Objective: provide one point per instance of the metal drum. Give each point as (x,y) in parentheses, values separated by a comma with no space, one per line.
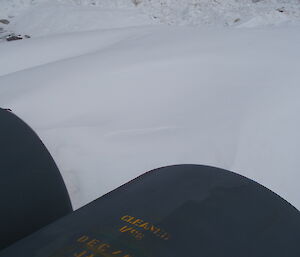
(176,211)
(32,191)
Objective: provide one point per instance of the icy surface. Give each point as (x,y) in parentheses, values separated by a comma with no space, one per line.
(113,95)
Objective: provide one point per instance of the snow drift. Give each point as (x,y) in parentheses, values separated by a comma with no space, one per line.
(60,16)
(130,100)
(113,95)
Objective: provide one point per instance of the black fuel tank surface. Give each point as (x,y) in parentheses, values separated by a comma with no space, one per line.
(32,191)
(175,211)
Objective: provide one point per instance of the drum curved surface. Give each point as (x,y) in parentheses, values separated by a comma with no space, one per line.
(175,211)
(32,190)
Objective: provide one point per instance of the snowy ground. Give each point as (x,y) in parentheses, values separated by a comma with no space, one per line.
(44,17)
(112,93)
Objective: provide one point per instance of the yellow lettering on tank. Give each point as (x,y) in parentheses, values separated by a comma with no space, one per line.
(83,254)
(145,226)
(130,219)
(83,239)
(164,236)
(125,229)
(116,252)
(103,247)
(126,217)
(139,236)
(137,222)
(154,229)
(159,232)
(93,242)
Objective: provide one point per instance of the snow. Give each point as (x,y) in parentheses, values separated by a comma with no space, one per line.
(44,17)
(113,93)
(223,13)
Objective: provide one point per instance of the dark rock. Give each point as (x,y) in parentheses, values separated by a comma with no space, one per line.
(281,9)
(13,37)
(4,21)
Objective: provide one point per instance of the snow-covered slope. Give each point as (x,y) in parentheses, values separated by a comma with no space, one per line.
(237,13)
(44,17)
(114,103)
(113,95)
